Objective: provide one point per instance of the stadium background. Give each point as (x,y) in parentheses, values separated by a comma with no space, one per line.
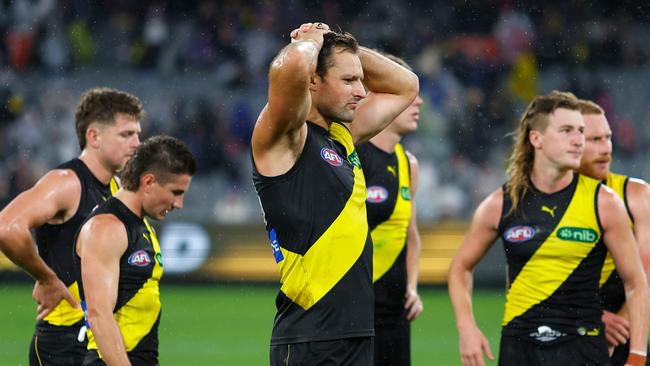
(200,68)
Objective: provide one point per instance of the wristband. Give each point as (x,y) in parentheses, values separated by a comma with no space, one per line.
(635,359)
(639,352)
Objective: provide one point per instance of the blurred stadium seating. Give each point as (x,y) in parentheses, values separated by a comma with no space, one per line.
(200,67)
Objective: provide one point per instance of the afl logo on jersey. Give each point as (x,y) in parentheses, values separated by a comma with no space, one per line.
(331,157)
(139,259)
(376,194)
(519,234)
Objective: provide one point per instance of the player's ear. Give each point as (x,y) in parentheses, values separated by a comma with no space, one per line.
(93,136)
(535,138)
(147,181)
(314,82)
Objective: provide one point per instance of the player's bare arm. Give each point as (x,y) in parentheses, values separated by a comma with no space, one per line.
(413,302)
(101,243)
(391,89)
(480,237)
(638,193)
(52,200)
(621,244)
(280,132)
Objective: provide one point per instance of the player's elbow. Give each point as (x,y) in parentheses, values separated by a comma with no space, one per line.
(7,230)
(413,85)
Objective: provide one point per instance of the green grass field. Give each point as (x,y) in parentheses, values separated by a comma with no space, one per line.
(231,325)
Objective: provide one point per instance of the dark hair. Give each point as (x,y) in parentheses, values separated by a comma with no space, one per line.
(160,155)
(333,41)
(99,105)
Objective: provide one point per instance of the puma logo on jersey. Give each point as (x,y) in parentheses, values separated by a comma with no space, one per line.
(391,169)
(146,237)
(550,211)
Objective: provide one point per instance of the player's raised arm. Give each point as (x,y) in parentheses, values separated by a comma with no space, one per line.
(101,243)
(49,201)
(391,89)
(480,237)
(621,244)
(280,131)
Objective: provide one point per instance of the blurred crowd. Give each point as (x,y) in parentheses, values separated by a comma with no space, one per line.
(204,63)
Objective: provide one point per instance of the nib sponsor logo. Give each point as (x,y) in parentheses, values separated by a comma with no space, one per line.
(579,234)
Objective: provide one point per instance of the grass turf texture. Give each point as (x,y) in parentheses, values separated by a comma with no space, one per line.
(231,325)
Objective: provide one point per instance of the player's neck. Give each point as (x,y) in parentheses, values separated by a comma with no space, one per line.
(550,179)
(92,161)
(386,140)
(318,119)
(132,200)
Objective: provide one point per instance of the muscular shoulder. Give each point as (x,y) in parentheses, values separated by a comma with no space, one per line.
(490,209)
(638,198)
(105,233)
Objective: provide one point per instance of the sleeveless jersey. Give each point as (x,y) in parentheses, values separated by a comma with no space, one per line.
(555,254)
(388,203)
(317,225)
(612,292)
(55,241)
(137,309)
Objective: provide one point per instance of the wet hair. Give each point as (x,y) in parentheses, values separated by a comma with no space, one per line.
(334,42)
(99,105)
(163,156)
(521,160)
(589,107)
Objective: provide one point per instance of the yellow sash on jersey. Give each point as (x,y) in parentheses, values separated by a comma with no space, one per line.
(557,258)
(617,183)
(307,278)
(389,237)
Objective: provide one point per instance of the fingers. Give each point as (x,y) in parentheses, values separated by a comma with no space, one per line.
(617,328)
(485,345)
(298,33)
(42,312)
(68,296)
(415,310)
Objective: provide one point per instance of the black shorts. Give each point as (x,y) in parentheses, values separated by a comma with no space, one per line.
(338,352)
(136,358)
(620,355)
(393,344)
(578,351)
(56,345)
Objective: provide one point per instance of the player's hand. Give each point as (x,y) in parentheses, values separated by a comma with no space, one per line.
(617,328)
(472,345)
(310,31)
(48,294)
(413,304)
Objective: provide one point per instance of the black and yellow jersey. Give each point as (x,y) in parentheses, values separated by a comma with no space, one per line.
(55,241)
(318,230)
(555,254)
(388,203)
(612,292)
(137,309)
